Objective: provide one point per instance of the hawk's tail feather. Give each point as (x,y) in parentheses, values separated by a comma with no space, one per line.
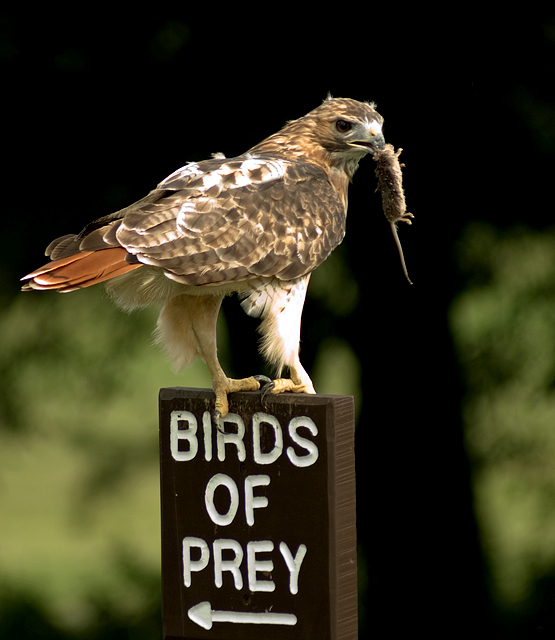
(79,270)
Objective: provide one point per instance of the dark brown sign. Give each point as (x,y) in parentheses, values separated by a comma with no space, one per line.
(258,517)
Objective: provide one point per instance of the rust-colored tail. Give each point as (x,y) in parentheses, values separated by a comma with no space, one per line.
(79,270)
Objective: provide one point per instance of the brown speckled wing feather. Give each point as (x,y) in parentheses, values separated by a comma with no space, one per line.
(229,220)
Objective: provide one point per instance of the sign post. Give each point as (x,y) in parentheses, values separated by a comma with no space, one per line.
(258,517)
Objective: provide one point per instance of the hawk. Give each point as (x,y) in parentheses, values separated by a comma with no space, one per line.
(257,225)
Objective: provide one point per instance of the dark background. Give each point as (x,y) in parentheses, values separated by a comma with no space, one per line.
(99,107)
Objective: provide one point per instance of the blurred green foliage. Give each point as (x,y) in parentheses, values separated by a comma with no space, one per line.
(79,457)
(503,325)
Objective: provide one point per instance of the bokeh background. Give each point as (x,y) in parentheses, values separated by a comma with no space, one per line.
(454,377)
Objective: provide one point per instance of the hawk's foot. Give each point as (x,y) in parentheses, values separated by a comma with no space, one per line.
(224,386)
(298,383)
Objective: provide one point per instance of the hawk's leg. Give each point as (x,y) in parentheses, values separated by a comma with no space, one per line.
(187,330)
(281,332)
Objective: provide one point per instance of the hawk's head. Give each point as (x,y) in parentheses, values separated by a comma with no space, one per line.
(348,127)
(339,133)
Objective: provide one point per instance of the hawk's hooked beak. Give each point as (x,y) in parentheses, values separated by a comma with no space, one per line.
(372,144)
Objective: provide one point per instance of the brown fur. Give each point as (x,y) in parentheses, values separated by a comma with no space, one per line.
(390,184)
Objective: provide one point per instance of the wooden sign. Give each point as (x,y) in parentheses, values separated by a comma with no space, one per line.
(258,517)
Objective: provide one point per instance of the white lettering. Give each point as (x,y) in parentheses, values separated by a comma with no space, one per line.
(228,555)
(232,566)
(254,565)
(293,564)
(253,502)
(184,439)
(207,428)
(312,450)
(177,435)
(190,565)
(224,437)
(220,479)
(270,456)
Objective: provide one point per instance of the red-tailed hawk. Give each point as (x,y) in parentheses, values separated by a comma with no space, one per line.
(257,224)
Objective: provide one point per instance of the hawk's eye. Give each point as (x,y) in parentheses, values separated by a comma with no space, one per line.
(343,126)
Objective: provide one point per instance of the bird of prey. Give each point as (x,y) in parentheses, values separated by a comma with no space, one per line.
(257,224)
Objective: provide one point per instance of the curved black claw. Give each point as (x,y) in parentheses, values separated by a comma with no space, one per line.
(217,419)
(266,385)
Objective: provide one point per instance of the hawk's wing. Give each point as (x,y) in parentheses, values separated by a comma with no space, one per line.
(228,220)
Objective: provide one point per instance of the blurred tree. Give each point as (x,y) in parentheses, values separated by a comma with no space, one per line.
(504,329)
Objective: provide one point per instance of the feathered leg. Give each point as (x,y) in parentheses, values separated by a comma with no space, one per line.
(187,330)
(281,309)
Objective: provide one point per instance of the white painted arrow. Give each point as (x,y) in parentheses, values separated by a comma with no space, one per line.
(203,615)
